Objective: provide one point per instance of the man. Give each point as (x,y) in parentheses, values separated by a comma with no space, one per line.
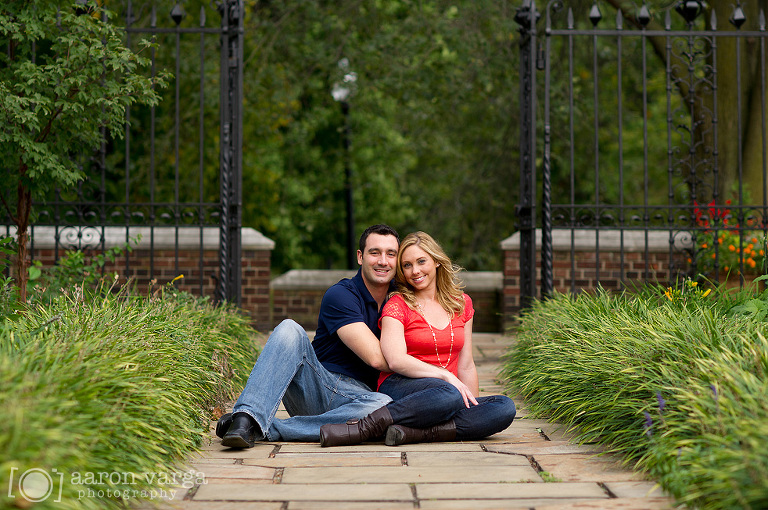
(330,380)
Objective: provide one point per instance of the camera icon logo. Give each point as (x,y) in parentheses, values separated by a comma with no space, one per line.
(35,485)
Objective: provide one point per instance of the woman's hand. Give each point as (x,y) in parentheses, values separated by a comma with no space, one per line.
(466,392)
(394,350)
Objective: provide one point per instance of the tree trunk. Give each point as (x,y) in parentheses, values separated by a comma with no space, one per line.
(23,208)
(740,93)
(741,142)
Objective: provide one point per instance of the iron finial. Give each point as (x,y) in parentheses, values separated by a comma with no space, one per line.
(595,15)
(689,9)
(177,14)
(644,16)
(738,18)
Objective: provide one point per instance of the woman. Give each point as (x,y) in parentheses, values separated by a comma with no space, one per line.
(426,338)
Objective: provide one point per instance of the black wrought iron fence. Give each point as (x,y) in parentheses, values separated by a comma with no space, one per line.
(644,124)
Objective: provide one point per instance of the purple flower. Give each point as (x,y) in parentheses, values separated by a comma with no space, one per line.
(648,424)
(714,390)
(662,402)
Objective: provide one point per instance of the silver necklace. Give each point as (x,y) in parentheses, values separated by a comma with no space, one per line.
(434,337)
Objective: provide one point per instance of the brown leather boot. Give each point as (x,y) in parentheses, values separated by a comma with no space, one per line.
(400,434)
(356,431)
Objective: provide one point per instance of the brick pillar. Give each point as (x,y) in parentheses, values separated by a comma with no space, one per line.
(165,253)
(628,256)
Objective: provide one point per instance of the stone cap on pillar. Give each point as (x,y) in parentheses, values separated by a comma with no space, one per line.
(158,238)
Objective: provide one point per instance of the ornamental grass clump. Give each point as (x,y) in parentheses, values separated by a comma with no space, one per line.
(673,379)
(109,395)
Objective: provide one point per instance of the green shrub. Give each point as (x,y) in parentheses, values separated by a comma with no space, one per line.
(675,380)
(106,384)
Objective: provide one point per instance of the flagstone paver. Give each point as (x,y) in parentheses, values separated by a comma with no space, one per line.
(532,464)
(408,474)
(305,492)
(585,468)
(469,459)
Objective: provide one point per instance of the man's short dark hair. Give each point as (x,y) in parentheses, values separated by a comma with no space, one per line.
(381,229)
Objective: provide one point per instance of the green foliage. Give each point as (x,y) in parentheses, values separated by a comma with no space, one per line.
(65,77)
(108,384)
(430,125)
(74,268)
(672,379)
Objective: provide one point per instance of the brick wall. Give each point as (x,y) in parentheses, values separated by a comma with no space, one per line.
(584,271)
(159,265)
(297,295)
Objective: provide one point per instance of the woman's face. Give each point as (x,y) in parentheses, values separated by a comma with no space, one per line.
(419,268)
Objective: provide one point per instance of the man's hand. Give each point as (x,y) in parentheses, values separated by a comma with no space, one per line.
(358,337)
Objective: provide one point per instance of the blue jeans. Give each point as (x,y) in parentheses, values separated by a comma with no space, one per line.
(422,403)
(288,370)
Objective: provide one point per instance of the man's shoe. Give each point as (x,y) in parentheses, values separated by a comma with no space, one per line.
(399,434)
(242,432)
(354,432)
(223,424)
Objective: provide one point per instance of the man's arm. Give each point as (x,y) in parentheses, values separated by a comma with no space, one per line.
(358,337)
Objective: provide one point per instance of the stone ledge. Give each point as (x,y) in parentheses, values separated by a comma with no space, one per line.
(321,279)
(310,279)
(610,240)
(73,237)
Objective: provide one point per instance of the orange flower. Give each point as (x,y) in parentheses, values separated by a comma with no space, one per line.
(731,247)
(751,263)
(704,246)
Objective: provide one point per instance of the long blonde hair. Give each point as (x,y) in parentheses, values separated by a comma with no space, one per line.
(449,288)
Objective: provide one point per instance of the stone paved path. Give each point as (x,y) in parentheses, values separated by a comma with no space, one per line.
(532,465)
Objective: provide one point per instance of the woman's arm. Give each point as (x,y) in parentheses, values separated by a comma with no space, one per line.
(396,353)
(466,368)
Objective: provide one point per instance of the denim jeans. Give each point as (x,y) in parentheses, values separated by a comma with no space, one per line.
(288,370)
(422,403)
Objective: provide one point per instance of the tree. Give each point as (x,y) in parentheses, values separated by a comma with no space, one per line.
(432,125)
(65,81)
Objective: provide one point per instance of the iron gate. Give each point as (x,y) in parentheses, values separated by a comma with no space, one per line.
(636,122)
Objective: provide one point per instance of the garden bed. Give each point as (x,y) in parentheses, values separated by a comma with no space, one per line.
(673,379)
(103,397)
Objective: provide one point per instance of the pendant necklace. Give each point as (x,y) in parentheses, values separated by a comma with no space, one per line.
(434,337)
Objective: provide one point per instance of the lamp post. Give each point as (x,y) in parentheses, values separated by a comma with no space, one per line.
(342,91)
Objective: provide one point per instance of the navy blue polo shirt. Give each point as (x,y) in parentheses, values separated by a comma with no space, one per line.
(346,302)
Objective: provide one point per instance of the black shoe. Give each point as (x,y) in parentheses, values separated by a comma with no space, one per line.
(223,424)
(242,433)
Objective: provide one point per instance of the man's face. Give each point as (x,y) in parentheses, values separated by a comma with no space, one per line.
(379,259)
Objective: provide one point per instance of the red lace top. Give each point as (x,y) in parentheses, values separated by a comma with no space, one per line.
(418,337)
